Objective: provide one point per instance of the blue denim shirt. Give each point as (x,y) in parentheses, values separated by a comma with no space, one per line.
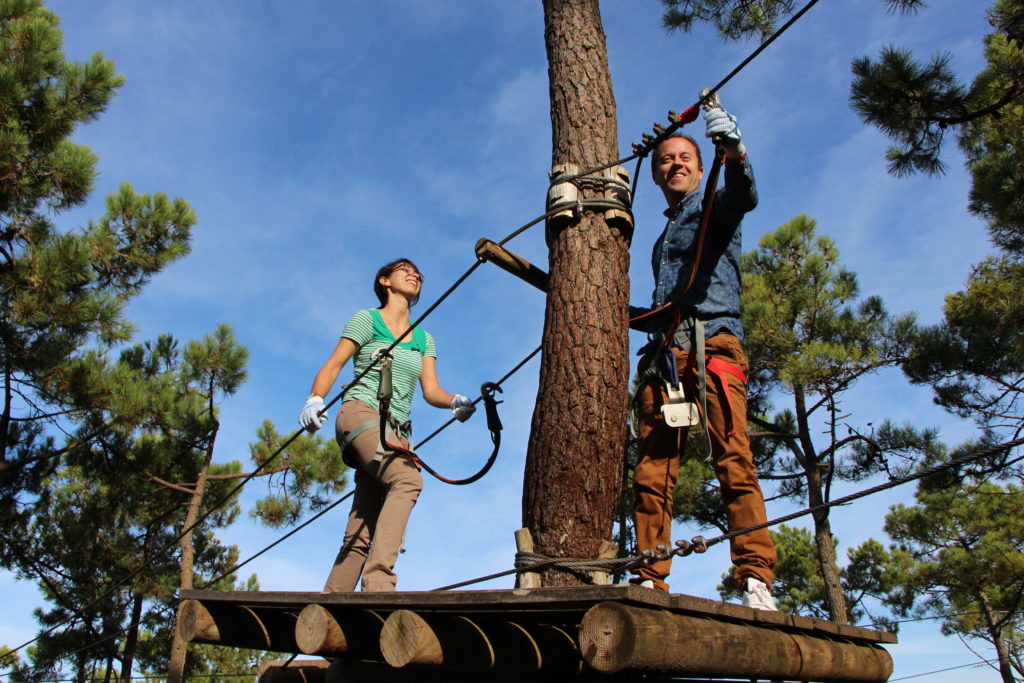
(714,296)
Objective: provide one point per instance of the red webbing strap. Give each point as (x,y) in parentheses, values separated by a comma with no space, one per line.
(718,369)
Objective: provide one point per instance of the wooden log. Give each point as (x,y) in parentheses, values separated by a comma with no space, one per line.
(339,631)
(614,637)
(524,544)
(606,551)
(279,627)
(195,624)
(515,650)
(304,671)
(407,639)
(317,632)
(221,624)
(511,263)
(454,641)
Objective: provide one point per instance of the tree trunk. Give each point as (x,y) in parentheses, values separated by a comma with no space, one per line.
(578,433)
(823,540)
(997,635)
(132,639)
(176,668)
(826,552)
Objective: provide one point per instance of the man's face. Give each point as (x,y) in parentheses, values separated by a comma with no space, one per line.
(677,170)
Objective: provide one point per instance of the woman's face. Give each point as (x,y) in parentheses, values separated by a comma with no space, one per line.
(404,279)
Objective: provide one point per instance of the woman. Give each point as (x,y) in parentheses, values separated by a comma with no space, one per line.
(387,483)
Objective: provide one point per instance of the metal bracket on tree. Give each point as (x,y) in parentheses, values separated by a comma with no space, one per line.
(614,196)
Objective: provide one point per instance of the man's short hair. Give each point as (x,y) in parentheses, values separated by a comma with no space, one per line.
(654,163)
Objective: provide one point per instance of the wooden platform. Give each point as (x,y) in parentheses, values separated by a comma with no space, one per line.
(586,633)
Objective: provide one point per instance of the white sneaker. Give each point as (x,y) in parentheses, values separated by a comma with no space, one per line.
(756,595)
(646,583)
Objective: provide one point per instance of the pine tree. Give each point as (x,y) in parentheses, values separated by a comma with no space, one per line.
(808,338)
(960,557)
(575,451)
(62,291)
(974,359)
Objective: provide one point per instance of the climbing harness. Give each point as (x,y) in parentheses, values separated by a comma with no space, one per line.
(391,436)
(687,333)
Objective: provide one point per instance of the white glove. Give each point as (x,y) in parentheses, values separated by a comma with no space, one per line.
(722,128)
(309,418)
(462,408)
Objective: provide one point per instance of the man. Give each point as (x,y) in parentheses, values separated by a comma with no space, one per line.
(699,312)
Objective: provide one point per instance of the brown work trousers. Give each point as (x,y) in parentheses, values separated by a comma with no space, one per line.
(386,491)
(660,450)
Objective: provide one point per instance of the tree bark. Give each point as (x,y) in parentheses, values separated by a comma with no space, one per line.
(823,540)
(577,436)
(997,635)
(176,667)
(132,639)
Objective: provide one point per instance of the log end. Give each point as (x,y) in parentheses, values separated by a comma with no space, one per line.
(195,624)
(318,633)
(407,639)
(607,637)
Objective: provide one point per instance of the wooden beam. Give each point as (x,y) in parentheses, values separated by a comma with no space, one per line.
(511,263)
(524,544)
(615,637)
(454,641)
(195,624)
(606,551)
(317,632)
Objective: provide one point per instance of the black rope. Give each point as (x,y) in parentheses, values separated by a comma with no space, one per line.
(498,383)
(760,48)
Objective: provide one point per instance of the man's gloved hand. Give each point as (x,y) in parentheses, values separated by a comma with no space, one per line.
(308,418)
(462,407)
(723,130)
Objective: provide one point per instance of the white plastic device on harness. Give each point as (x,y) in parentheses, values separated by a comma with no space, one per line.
(677,411)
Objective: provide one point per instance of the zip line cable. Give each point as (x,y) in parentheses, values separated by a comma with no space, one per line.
(238,566)
(892,483)
(948,668)
(699,544)
(671,128)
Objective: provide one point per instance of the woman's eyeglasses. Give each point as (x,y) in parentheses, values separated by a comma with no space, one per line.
(410,270)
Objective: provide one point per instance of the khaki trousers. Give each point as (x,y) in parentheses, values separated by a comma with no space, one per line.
(386,491)
(660,450)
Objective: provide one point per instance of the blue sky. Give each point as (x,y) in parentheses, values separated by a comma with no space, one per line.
(318,140)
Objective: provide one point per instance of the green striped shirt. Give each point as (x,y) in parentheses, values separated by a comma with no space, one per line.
(367,329)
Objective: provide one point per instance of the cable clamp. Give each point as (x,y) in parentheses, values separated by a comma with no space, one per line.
(607,191)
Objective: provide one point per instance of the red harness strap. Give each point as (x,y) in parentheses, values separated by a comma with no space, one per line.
(718,368)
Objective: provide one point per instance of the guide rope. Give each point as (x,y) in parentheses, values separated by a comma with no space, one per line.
(531,562)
